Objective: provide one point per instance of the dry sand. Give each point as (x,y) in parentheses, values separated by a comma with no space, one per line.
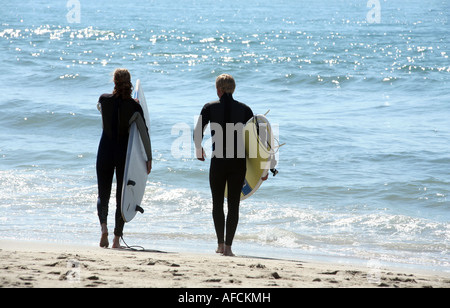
(38,265)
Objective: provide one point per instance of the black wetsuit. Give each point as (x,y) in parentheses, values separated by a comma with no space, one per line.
(228,164)
(112,152)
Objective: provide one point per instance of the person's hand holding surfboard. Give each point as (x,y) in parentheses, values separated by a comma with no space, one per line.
(149,167)
(201,154)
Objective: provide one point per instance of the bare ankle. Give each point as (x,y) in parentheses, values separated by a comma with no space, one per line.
(116,242)
(220,248)
(104,243)
(228,252)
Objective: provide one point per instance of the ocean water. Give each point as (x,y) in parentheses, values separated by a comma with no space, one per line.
(359,93)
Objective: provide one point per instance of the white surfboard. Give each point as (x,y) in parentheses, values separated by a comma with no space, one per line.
(135,176)
(260,153)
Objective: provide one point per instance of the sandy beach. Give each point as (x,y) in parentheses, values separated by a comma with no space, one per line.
(38,265)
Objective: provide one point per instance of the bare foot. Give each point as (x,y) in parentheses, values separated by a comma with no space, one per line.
(220,248)
(116,242)
(104,243)
(228,252)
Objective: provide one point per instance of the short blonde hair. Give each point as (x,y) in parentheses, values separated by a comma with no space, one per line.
(226,83)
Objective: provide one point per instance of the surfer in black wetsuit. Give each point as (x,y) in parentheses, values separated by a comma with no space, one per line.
(117,109)
(228,165)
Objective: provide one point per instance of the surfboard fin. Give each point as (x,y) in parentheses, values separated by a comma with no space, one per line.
(139,209)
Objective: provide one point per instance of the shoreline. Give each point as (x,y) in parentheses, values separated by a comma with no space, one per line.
(43,265)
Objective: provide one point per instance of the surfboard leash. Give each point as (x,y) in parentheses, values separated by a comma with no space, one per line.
(132,248)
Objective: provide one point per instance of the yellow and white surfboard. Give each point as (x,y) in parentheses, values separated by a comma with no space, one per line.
(260,154)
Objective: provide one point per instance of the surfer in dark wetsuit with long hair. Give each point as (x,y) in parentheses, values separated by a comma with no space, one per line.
(117,109)
(228,164)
